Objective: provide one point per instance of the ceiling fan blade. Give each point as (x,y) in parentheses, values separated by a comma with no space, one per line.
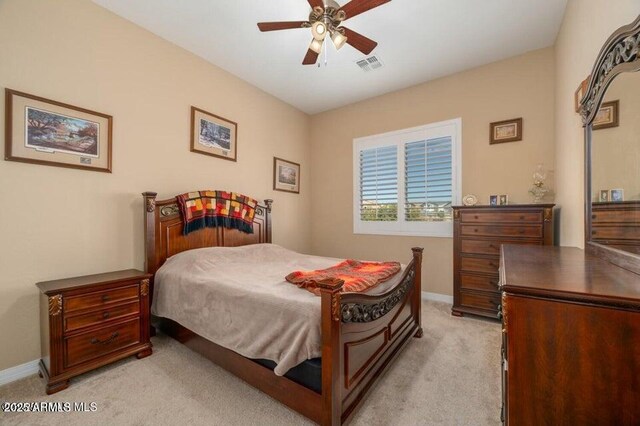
(275,26)
(360,42)
(310,58)
(316,3)
(356,7)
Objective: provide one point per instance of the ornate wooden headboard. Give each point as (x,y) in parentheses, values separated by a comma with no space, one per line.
(164,238)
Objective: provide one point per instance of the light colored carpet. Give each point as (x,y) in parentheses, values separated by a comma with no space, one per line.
(449,377)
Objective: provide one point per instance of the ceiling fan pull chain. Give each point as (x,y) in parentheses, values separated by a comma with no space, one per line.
(326,47)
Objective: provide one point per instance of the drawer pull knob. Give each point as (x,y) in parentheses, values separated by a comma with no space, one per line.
(476,217)
(105,297)
(475,230)
(521,217)
(105,315)
(522,231)
(493,264)
(593,217)
(593,232)
(492,246)
(95,341)
(494,283)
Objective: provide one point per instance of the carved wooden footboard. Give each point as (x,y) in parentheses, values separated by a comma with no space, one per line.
(361,335)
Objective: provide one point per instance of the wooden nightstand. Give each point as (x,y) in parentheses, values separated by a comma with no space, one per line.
(91,321)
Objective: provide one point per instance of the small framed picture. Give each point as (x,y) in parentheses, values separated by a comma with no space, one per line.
(504,200)
(506,131)
(617,195)
(213,135)
(286,175)
(604,196)
(493,200)
(607,116)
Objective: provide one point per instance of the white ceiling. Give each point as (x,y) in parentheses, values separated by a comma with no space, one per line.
(419,40)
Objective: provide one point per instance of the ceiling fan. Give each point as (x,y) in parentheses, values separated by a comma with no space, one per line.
(326,19)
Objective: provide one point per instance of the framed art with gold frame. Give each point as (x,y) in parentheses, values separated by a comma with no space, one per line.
(213,135)
(286,175)
(506,131)
(52,133)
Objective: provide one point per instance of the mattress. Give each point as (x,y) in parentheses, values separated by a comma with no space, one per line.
(237,297)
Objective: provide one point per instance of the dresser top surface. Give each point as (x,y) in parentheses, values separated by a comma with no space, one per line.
(504,207)
(97,279)
(568,273)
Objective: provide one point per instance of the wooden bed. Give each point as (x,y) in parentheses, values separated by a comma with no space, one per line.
(361,334)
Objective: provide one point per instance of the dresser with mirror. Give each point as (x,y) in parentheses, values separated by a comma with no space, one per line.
(571,317)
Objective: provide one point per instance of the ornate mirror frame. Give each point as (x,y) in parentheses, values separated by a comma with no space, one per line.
(620,54)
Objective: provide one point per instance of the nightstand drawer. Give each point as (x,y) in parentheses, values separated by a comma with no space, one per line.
(100,298)
(502,231)
(103,315)
(87,346)
(479,264)
(516,217)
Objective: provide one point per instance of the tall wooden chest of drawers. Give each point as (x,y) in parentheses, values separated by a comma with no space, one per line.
(478,233)
(91,321)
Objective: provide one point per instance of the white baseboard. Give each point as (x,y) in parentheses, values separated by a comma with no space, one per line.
(18,372)
(437,297)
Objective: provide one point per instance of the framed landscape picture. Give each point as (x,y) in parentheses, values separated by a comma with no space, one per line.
(213,135)
(607,116)
(506,131)
(286,175)
(42,131)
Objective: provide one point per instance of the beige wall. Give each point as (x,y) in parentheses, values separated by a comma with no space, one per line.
(57,222)
(616,150)
(586,26)
(519,87)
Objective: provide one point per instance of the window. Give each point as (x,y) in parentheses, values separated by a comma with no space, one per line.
(405,182)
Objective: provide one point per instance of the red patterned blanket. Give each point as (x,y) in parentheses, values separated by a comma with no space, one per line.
(357,275)
(209,209)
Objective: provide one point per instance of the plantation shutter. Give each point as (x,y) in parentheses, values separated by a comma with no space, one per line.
(379,184)
(428,180)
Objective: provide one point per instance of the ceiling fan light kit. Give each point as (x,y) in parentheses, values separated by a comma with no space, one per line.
(326,17)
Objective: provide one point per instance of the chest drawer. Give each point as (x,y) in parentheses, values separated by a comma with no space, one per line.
(615,232)
(76,322)
(501,231)
(488,302)
(616,216)
(515,217)
(479,282)
(94,344)
(99,299)
(488,246)
(477,264)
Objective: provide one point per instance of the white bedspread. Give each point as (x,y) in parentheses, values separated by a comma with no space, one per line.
(238,298)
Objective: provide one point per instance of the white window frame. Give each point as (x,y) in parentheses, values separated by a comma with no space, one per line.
(399,138)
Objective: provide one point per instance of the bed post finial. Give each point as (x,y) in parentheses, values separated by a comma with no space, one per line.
(150,201)
(417,285)
(268,202)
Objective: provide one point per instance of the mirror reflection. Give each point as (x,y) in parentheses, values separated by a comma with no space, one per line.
(615,166)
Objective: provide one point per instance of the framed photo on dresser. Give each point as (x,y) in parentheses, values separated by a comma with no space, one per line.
(52,133)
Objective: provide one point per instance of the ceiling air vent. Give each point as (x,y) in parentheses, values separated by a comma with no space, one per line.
(371,63)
